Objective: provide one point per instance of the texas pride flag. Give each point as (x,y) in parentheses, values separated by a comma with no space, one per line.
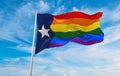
(58,30)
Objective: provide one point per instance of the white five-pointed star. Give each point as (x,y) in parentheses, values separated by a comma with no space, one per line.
(44,31)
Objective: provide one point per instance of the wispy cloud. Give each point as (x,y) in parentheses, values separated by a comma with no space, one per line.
(24,48)
(79,60)
(14,71)
(43,6)
(112,14)
(111,34)
(60,10)
(16,27)
(71,71)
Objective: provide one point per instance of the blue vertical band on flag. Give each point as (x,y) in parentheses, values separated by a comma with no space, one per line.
(43,20)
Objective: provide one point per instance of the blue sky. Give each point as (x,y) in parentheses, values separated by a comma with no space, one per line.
(16,29)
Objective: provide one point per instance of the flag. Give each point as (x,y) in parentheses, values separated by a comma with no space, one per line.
(58,30)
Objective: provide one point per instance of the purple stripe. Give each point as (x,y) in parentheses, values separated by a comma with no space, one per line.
(55,45)
(79,41)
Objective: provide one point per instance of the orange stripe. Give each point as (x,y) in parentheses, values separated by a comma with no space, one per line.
(79,21)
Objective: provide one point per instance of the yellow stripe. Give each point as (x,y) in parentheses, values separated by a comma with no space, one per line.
(73,27)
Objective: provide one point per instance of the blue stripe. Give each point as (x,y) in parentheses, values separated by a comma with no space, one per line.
(86,37)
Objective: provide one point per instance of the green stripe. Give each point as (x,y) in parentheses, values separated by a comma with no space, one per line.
(77,33)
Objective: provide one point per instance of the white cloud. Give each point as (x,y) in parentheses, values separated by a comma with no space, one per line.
(71,71)
(75,9)
(13,71)
(25,48)
(84,9)
(111,34)
(16,29)
(72,61)
(60,10)
(112,15)
(100,61)
(42,6)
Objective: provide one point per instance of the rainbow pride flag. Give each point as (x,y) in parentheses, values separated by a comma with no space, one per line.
(58,30)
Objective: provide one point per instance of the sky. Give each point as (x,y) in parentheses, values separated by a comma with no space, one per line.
(16,30)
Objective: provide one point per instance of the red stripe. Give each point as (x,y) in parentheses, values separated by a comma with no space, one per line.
(78,15)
